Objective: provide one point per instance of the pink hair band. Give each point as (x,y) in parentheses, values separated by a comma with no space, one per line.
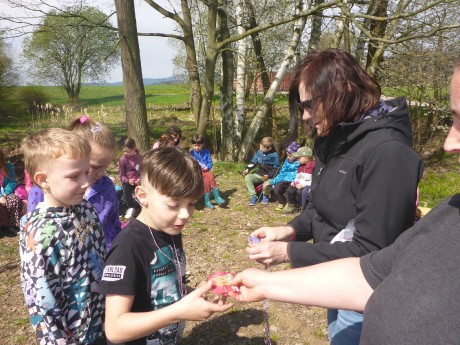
(84,118)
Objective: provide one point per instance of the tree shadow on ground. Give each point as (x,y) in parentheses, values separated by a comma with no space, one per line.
(223,330)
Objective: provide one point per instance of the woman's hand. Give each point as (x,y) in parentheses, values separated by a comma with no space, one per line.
(270,234)
(3,200)
(268,253)
(249,283)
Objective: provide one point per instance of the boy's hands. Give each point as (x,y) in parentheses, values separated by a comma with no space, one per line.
(245,172)
(195,307)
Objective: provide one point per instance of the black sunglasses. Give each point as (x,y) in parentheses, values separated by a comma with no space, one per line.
(305,105)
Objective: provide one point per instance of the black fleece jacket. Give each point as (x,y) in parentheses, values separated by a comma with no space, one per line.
(366,171)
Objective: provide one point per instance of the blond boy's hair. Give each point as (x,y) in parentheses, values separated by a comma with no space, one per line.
(268,142)
(41,147)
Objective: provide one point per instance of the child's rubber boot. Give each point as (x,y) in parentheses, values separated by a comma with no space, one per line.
(289,209)
(207,201)
(217,197)
(280,207)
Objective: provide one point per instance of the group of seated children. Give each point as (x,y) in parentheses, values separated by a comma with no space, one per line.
(290,184)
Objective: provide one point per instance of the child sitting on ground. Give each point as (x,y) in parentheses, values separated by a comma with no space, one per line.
(203,156)
(166,140)
(172,131)
(10,204)
(144,277)
(283,179)
(101,193)
(128,172)
(297,193)
(62,243)
(268,162)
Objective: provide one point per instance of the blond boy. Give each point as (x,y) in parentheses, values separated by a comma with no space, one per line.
(62,243)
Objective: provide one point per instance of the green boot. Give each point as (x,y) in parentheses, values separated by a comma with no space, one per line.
(207,201)
(280,207)
(289,209)
(217,198)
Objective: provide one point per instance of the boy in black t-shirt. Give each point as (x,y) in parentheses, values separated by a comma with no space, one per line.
(144,276)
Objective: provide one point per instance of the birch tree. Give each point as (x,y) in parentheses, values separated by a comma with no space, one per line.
(299,26)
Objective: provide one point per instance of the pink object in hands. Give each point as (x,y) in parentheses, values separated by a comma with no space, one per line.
(221,283)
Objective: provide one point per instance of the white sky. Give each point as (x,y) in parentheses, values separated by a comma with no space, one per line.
(156,52)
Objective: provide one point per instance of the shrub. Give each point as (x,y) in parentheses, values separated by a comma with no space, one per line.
(33,97)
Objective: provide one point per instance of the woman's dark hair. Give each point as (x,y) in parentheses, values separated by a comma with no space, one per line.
(197,139)
(175,130)
(337,85)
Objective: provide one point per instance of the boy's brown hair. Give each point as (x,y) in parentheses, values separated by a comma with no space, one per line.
(172,172)
(197,139)
(41,147)
(267,142)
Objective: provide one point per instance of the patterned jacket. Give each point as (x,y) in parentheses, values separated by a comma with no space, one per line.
(62,252)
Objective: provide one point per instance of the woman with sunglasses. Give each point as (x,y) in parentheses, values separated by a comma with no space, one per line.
(363,193)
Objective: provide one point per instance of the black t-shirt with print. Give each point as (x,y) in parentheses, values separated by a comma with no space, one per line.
(135,266)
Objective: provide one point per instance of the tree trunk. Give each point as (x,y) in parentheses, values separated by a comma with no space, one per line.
(316,26)
(191,63)
(377,28)
(135,108)
(241,80)
(210,67)
(375,59)
(262,71)
(270,95)
(360,45)
(226,89)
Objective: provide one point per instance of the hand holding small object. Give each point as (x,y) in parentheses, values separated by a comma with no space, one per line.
(195,307)
(249,285)
(221,282)
(269,234)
